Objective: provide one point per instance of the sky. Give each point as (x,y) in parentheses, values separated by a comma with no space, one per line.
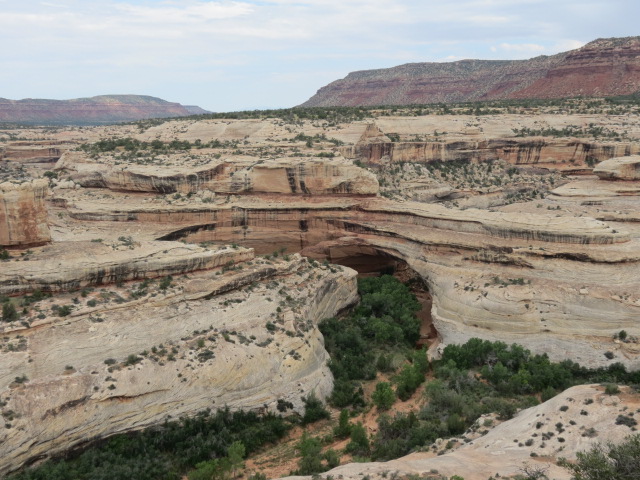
(227,55)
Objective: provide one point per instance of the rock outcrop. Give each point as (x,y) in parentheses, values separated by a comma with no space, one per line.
(622,168)
(604,67)
(539,152)
(89,111)
(71,266)
(210,341)
(242,175)
(23,214)
(33,152)
(536,279)
(586,414)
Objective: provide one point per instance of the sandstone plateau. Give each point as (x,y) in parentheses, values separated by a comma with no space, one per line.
(604,67)
(519,236)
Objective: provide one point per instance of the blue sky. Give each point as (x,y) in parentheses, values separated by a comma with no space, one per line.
(230,55)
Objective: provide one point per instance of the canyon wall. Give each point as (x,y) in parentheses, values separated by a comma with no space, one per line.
(23,214)
(542,280)
(540,152)
(280,176)
(204,342)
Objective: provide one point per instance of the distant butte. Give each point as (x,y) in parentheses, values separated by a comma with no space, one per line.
(604,67)
(103,109)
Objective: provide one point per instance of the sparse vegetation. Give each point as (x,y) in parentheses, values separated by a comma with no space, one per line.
(607,461)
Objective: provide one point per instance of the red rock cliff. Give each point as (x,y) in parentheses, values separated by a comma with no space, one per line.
(604,67)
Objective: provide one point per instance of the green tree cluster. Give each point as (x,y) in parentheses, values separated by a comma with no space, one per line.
(211,442)
(383,323)
(607,461)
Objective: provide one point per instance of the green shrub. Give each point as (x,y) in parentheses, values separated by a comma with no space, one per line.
(359,444)
(314,410)
(9,312)
(165,282)
(132,359)
(343,430)
(611,389)
(607,461)
(383,397)
(310,456)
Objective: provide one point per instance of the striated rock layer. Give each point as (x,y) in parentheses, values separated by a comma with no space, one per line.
(604,67)
(243,175)
(74,265)
(547,281)
(23,214)
(558,274)
(33,152)
(202,343)
(539,152)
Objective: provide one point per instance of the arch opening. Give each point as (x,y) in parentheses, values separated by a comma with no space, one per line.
(370,261)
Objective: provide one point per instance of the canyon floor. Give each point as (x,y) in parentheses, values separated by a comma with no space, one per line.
(163,267)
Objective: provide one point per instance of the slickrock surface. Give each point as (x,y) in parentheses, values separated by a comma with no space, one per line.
(480,207)
(604,67)
(590,418)
(548,281)
(23,214)
(620,168)
(74,265)
(202,343)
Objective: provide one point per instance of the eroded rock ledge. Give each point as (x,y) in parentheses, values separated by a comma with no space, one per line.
(23,214)
(242,338)
(71,266)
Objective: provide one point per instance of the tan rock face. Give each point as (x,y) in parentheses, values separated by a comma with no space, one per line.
(506,449)
(283,176)
(75,265)
(23,214)
(33,152)
(498,275)
(620,168)
(541,152)
(206,344)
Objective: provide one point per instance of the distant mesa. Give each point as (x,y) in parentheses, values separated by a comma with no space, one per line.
(103,109)
(602,68)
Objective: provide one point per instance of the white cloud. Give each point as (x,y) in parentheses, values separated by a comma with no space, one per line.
(255,46)
(193,12)
(519,48)
(566,45)
(53,5)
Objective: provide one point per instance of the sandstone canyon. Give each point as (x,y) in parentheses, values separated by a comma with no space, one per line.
(167,297)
